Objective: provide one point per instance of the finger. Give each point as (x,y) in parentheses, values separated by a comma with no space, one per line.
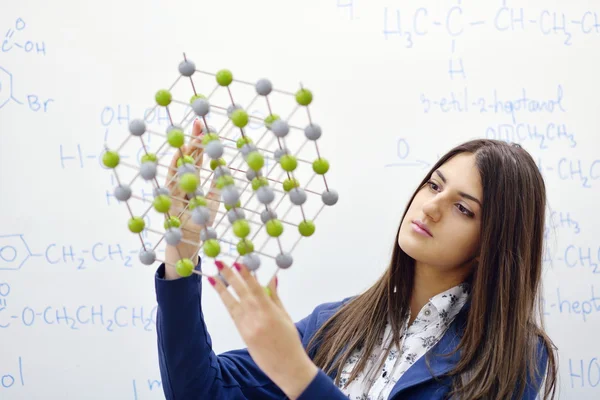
(234,280)
(172,168)
(253,286)
(230,302)
(195,145)
(274,294)
(273,291)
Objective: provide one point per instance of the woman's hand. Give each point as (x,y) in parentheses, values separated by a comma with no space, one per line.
(179,203)
(267,329)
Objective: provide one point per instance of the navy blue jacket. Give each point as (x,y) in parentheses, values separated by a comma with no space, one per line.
(190,370)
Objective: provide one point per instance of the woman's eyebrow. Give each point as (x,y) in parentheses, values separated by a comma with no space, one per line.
(463,194)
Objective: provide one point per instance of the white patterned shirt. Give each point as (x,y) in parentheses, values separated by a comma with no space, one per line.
(425,331)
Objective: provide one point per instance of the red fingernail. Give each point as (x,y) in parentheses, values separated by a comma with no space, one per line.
(212,280)
(219,265)
(276,282)
(237,266)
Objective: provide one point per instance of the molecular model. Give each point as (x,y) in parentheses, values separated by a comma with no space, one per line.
(265,191)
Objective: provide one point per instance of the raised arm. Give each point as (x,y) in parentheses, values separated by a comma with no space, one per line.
(191,370)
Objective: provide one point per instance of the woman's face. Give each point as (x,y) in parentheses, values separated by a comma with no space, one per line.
(449,206)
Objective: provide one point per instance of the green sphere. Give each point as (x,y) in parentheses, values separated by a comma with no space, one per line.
(242,141)
(288,162)
(306,228)
(224,77)
(274,227)
(111,159)
(149,157)
(163,97)
(189,182)
(224,180)
(196,97)
(290,183)
(270,119)
(172,222)
(258,182)
(176,138)
(241,228)
(216,163)
(185,160)
(184,267)
(255,160)
(238,204)
(197,201)
(209,137)
(320,166)
(245,246)
(162,203)
(239,118)
(136,224)
(211,247)
(304,97)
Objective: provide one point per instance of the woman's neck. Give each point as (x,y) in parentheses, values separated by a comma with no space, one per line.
(430,281)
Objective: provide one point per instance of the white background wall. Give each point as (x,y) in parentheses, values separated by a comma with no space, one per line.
(396,84)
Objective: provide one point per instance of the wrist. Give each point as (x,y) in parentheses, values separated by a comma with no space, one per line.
(298,380)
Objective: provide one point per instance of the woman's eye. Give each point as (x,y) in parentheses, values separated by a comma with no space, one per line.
(464,210)
(430,183)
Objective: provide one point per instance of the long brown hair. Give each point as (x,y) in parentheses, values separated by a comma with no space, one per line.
(503,327)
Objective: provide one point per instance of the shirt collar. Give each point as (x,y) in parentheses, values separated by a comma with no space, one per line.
(452,300)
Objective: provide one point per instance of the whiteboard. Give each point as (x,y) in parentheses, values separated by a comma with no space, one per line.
(396,84)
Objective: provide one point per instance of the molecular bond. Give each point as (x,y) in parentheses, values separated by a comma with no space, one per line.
(264,190)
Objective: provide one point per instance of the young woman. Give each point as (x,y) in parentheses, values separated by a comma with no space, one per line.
(455,315)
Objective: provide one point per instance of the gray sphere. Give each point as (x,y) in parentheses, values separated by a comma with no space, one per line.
(230,195)
(232,108)
(267,215)
(186,168)
(329,197)
(201,215)
(173,236)
(251,261)
(265,195)
(234,214)
(251,174)
(214,149)
(123,192)
(297,196)
(148,170)
(284,260)
(199,192)
(280,153)
(264,87)
(208,233)
(280,128)
(187,68)
(312,132)
(161,190)
(201,107)
(147,257)
(137,127)
(248,148)
(221,171)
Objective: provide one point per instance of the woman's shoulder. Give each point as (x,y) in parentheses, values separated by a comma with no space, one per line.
(324,310)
